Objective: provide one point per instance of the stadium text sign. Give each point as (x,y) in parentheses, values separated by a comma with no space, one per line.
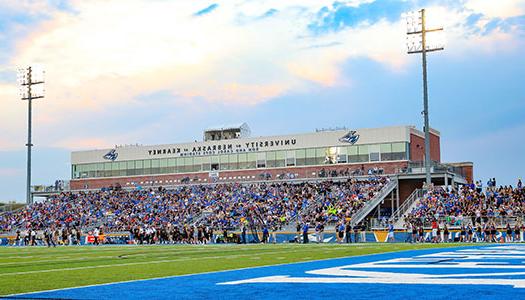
(223,148)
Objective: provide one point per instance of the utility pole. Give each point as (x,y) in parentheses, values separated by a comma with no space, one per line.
(417,43)
(31,87)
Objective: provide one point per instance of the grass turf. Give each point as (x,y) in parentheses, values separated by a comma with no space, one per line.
(36,269)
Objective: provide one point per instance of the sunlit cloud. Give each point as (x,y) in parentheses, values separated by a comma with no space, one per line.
(497,9)
(99,56)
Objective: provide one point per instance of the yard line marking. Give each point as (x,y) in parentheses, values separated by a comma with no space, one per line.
(140,263)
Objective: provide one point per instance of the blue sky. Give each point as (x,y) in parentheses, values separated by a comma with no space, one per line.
(160,71)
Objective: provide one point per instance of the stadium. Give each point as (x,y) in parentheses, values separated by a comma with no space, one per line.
(373,209)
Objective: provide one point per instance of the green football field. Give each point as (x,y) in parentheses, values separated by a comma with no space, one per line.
(27,269)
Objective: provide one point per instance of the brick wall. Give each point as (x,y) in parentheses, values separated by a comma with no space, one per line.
(240,175)
(417,148)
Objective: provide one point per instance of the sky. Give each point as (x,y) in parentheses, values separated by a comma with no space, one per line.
(160,71)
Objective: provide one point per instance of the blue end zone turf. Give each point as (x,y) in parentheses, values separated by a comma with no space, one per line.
(484,272)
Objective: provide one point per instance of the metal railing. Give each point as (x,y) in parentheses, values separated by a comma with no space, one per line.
(409,201)
(370,205)
(419,167)
(11,207)
(59,186)
(454,222)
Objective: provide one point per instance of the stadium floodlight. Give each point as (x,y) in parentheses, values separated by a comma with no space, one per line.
(417,43)
(31,80)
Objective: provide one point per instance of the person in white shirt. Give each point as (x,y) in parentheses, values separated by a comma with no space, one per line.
(96,233)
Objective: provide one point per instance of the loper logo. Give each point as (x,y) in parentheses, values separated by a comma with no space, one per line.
(111,155)
(351,137)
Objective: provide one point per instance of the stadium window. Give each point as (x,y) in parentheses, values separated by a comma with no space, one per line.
(206,163)
(270,159)
(342,159)
(363,155)
(80,171)
(374,152)
(320,156)
(92,170)
(74,172)
(139,167)
(261,164)
(399,151)
(224,162)
(147,166)
(155,163)
(233,161)
(261,159)
(188,164)
(300,157)
(243,157)
(290,158)
(310,157)
(352,154)
(331,154)
(197,163)
(99,172)
(280,158)
(172,163)
(386,151)
(155,166)
(179,165)
(163,164)
(251,160)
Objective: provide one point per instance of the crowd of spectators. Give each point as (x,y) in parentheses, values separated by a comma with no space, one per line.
(469,205)
(191,213)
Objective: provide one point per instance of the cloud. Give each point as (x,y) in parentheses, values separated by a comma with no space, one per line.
(100,57)
(497,9)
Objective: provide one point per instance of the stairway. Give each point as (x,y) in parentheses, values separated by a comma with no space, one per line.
(406,207)
(370,205)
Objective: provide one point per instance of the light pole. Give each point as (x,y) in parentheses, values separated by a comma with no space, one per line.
(31,80)
(417,43)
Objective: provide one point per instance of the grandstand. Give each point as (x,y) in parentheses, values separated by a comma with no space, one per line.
(473,210)
(228,154)
(231,182)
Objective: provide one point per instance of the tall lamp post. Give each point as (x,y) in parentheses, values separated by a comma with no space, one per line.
(31,80)
(417,43)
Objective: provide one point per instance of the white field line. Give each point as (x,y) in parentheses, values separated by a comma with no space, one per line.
(222,271)
(52,257)
(86,248)
(89,257)
(146,262)
(138,250)
(66,258)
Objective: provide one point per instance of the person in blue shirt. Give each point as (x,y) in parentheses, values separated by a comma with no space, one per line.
(266,236)
(305,233)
